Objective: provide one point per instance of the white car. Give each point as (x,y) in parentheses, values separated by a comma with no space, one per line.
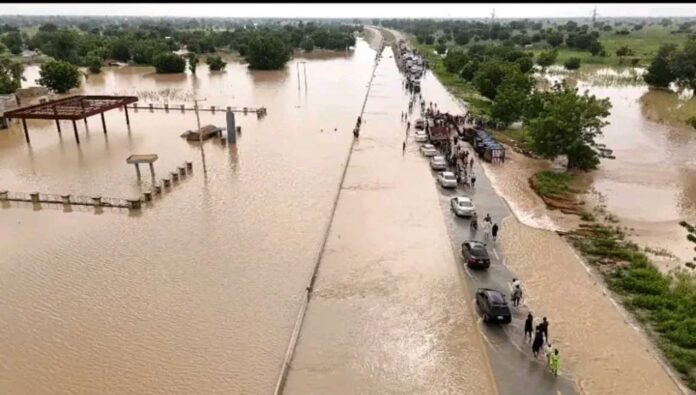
(447,179)
(438,163)
(428,150)
(462,206)
(420,123)
(421,137)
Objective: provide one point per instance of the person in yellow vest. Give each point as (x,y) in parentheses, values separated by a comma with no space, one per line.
(554,362)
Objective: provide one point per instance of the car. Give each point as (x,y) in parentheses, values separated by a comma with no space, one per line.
(475,254)
(420,123)
(421,137)
(447,179)
(438,163)
(428,150)
(462,206)
(493,306)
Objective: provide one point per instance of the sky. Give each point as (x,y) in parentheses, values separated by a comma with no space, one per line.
(354,10)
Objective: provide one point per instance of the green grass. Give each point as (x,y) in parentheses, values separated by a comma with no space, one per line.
(664,303)
(552,184)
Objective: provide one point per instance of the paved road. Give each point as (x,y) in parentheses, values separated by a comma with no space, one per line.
(515,369)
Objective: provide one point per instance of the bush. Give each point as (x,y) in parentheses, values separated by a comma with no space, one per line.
(267,52)
(692,121)
(94,62)
(59,76)
(215,63)
(167,62)
(572,63)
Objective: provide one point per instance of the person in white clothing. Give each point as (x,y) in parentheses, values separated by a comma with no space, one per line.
(486,229)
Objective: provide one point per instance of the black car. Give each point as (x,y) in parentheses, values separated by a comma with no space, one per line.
(493,306)
(475,254)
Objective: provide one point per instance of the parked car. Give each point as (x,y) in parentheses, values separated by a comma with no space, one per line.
(438,163)
(462,206)
(428,150)
(420,123)
(493,306)
(475,254)
(421,137)
(447,179)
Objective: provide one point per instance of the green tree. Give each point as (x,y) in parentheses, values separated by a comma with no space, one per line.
(215,63)
(596,48)
(525,63)
(59,75)
(307,44)
(462,37)
(469,70)
(547,58)
(491,74)
(10,75)
(555,39)
(267,52)
(94,62)
(455,60)
(192,62)
(683,65)
(565,123)
(441,49)
(120,50)
(13,42)
(511,97)
(624,51)
(573,63)
(167,62)
(659,73)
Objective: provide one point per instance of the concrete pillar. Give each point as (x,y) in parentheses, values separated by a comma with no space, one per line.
(158,189)
(134,204)
(189,166)
(182,108)
(239,129)
(147,196)
(245,110)
(175,176)
(212,108)
(97,200)
(231,135)
(150,105)
(229,108)
(65,198)
(166,182)
(182,171)
(26,131)
(223,140)
(34,197)
(166,107)
(3,195)
(77,136)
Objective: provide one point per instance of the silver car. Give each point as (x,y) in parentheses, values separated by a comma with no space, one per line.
(438,163)
(462,206)
(447,179)
(420,137)
(428,150)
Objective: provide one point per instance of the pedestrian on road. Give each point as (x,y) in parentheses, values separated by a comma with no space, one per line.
(408,125)
(554,362)
(516,295)
(486,229)
(548,350)
(487,218)
(516,283)
(473,182)
(403,148)
(471,162)
(528,327)
(538,342)
(544,326)
(494,230)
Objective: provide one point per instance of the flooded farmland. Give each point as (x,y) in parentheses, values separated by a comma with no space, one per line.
(198,294)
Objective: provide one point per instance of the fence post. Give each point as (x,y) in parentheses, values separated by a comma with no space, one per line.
(34,197)
(3,195)
(66,198)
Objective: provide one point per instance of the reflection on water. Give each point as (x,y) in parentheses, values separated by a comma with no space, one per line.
(197,294)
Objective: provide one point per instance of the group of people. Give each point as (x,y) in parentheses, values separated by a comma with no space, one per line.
(489,228)
(541,340)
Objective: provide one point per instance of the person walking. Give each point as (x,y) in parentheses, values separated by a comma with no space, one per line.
(544,326)
(538,342)
(471,162)
(528,327)
(554,362)
(403,148)
(516,295)
(487,218)
(548,350)
(494,231)
(408,125)
(486,229)
(473,183)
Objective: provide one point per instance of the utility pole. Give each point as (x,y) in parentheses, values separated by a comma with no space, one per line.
(200,134)
(490,31)
(594,16)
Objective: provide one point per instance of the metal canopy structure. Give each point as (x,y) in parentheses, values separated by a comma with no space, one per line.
(71,108)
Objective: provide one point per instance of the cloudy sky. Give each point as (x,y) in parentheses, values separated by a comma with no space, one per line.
(346,10)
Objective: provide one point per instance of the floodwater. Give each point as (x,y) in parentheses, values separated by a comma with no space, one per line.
(198,293)
(389,312)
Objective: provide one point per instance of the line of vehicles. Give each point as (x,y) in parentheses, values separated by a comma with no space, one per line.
(490,302)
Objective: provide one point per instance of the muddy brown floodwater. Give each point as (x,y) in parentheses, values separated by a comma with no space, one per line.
(199,293)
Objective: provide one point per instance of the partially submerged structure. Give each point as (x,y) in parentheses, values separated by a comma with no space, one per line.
(204,133)
(71,108)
